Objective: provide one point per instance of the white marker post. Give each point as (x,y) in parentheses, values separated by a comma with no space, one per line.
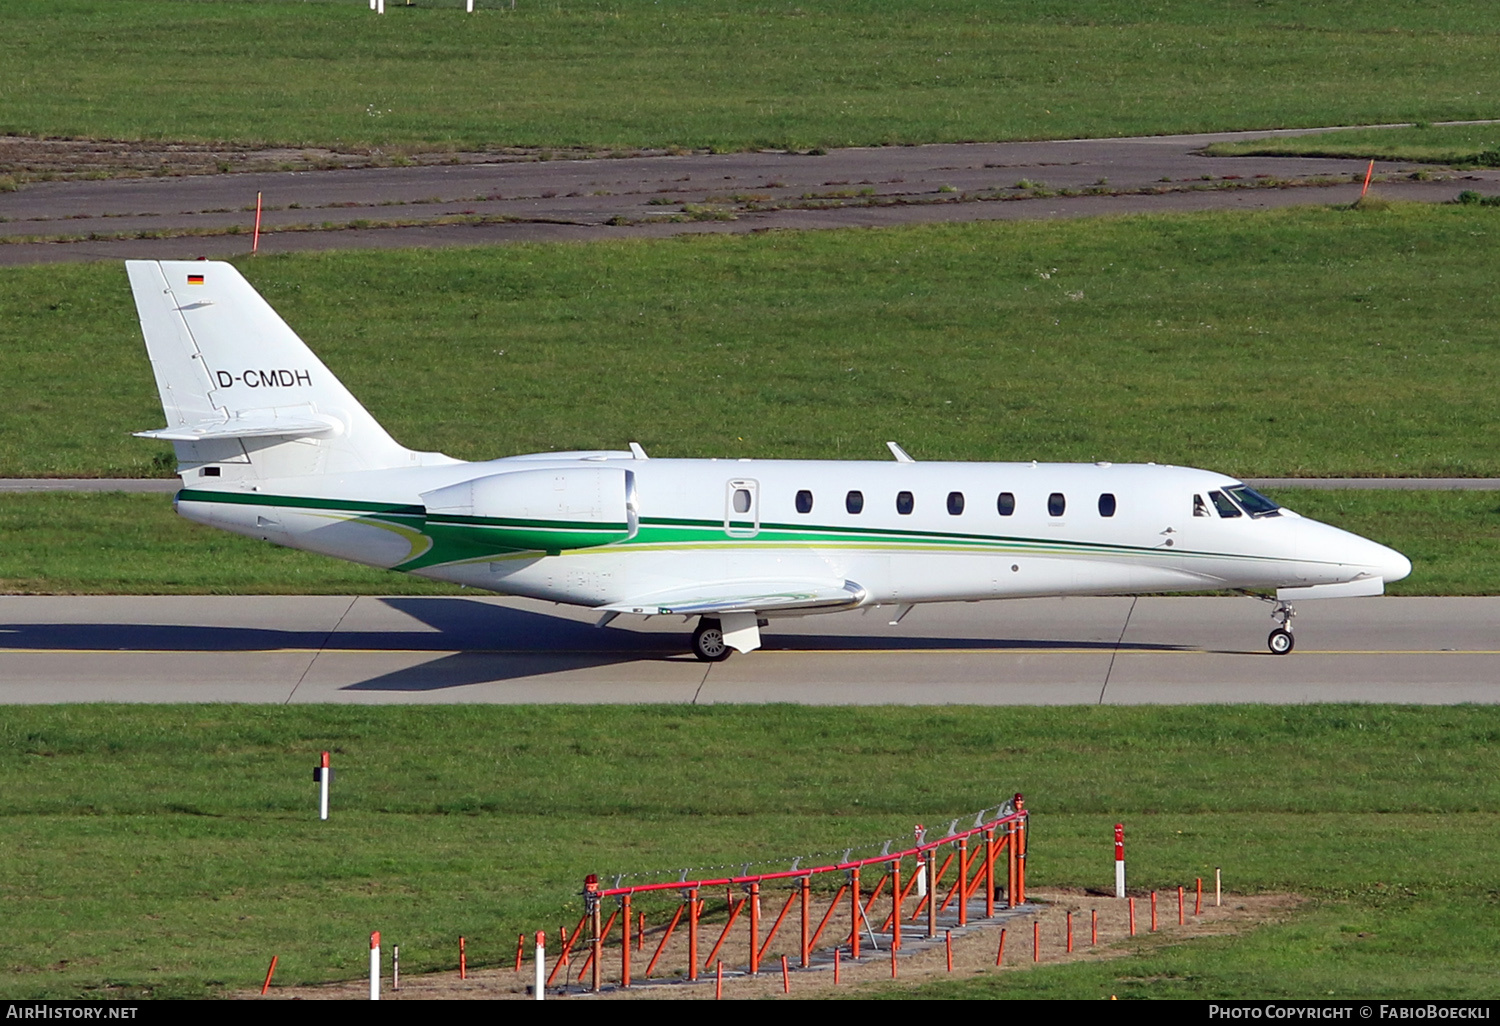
(920,833)
(322,774)
(396,967)
(541,965)
(375,966)
(1119,860)
(471,6)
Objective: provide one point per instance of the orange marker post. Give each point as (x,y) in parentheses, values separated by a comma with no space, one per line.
(1036,940)
(1198,901)
(693,933)
(255,239)
(520,949)
(1180,919)
(1093,926)
(1368,173)
(269,973)
(1153,911)
(463,959)
(1000,955)
(948,945)
(718,980)
(786,977)
(1132,917)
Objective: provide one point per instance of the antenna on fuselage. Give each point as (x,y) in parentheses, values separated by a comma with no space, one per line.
(901,454)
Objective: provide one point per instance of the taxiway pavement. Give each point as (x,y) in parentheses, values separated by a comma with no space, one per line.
(487,649)
(515,200)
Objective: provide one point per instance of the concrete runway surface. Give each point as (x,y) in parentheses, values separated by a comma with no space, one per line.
(488,649)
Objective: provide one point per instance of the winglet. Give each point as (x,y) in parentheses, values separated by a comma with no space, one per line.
(637,452)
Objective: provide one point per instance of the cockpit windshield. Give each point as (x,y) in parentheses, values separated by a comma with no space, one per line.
(1226,509)
(1254,503)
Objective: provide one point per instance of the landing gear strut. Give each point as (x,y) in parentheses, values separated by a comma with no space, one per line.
(1280,640)
(708,641)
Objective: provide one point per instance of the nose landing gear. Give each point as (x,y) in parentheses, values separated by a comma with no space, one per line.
(1280,640)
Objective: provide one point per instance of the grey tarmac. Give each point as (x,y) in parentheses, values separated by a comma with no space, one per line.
(366,650)
(657,195)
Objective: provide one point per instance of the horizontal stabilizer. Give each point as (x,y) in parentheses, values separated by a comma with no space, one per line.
(253,424)
(746,597)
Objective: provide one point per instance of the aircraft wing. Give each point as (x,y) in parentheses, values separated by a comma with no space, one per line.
(746,597)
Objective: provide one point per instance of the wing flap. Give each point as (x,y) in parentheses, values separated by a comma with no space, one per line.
(746,597)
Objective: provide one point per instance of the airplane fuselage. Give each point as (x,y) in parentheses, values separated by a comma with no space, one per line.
(898,532)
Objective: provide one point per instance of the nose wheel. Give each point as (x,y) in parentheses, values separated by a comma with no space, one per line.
(708,641)
(1280,640)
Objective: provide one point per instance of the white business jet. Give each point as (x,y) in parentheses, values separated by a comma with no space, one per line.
(271,445)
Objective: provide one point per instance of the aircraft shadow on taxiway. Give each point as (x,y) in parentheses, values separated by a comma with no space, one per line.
(484,643)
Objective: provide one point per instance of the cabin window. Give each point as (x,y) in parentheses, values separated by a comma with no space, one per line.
(854,502)
(742,500)
(1200,508)
(955,503)
(1006,504)
(905,503)
(209,472)
(1056,504)
(1107,504)
(804,501)
(1223,504)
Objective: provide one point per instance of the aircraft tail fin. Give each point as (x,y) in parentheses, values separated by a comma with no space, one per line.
(243,395)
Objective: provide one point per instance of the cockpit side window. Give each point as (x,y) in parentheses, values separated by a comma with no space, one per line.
(1254,503)
(1200,508)
(1221,503)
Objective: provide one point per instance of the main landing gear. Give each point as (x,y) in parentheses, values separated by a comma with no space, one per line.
(708,641)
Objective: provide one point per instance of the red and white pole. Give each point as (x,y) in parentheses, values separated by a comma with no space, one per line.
(1119,860)
(375,966)
(323,775)
(541,965)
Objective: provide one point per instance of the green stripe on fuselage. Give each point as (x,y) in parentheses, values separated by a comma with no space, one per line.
(468,539)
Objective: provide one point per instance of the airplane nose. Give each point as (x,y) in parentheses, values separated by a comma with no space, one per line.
(1393,565)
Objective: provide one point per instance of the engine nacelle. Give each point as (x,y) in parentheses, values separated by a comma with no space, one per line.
(539,510)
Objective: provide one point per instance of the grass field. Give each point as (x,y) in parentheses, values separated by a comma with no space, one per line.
(621,74)
(1461,145)
(167,851)
(70,544)
(1321,342)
